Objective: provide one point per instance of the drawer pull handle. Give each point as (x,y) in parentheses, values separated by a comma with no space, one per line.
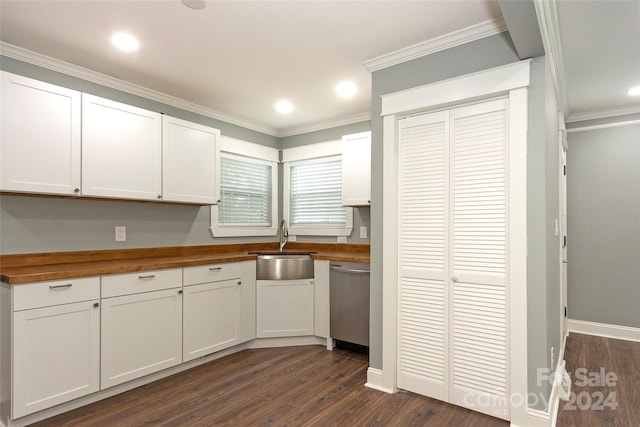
(148,276)
(215,268)
(68,285)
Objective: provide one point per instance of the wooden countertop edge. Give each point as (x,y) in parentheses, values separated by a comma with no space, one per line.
(38,273)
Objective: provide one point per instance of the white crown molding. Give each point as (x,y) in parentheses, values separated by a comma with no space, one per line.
(603,126)
(349,120)
(34,58)
(603,114)
(547,14)
(446,41)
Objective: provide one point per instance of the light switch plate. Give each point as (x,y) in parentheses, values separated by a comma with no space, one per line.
(363,232)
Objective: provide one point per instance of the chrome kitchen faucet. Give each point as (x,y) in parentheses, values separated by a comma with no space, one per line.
(284,234)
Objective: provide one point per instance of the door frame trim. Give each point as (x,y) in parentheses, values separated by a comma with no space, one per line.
(511,79)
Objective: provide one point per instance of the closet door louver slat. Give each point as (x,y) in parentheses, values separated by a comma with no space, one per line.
(423,183)
(479,362)
(453,294)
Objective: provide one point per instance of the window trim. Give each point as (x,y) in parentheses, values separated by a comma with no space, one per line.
(254,153)
(311,152)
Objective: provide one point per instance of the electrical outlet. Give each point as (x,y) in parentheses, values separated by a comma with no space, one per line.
(292,238)
(121,233)
(342,239)
(363,232)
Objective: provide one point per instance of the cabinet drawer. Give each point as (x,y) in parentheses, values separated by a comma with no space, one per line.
(46,294)
(142,281)
(212,273)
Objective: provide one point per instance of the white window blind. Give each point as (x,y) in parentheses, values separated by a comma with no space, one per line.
(245,192)
(316,193)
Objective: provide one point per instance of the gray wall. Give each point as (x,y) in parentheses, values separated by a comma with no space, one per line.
(603,194)
(553,242)
(472,57)
(543,264)
(39,224)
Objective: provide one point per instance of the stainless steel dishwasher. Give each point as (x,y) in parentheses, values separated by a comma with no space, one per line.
(349,302)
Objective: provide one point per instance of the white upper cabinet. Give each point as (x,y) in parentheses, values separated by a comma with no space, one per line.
(188,161)
(121,150)
(40,145)
(356,169)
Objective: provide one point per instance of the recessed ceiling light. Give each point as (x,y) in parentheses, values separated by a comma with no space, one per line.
(284,106)
(125,42)
(346,89)
(634,91)
(195,4)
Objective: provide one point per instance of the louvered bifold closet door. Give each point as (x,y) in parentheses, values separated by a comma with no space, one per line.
(479,295)
(423,258)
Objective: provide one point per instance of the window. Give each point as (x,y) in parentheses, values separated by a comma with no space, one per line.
(247,183)
(313,191)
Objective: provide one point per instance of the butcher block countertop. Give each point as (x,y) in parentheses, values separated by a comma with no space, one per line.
(24,268)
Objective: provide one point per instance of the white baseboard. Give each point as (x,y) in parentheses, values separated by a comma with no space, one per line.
(548,418)
(286,342)
(626,333)
(536,418)
(374,381)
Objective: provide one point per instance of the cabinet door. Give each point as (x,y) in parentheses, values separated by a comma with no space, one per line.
(356,169)
(56,355)
(40,145)
(321,298)
(121,150)
(211,317)
(188,161)
(248,301)
(284,308)
(141,334)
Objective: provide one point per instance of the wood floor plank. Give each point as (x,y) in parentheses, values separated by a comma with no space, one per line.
(288,386)
(614,356)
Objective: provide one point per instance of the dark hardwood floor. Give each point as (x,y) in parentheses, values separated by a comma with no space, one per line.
(293,386)
(590,407)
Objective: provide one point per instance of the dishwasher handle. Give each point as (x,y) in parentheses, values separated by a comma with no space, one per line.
(348,270)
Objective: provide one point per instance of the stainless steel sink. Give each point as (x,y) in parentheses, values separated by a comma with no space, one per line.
(284,266)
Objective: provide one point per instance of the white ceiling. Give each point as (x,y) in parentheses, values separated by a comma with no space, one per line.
(600,42)
(237,58)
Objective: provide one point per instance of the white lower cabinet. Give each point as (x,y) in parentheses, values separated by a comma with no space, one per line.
(142,332)
(285,308)
(220,312)
(56,348)
(211,317)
